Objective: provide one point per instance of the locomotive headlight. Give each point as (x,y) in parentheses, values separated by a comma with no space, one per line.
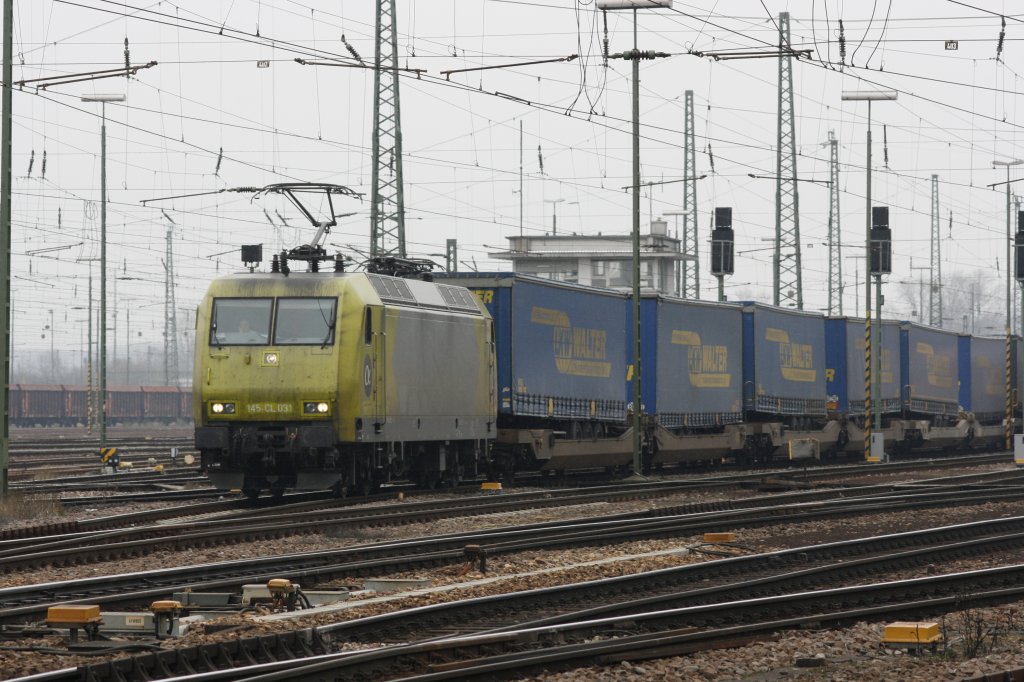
(316,407)
(270,358)
(222,408)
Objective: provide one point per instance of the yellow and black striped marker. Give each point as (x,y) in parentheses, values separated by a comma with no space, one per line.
(1008,422)
(108,455)
(867,387)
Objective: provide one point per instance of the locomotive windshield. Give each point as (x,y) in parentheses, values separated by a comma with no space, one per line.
(305,321)
(240,321)
(247,321)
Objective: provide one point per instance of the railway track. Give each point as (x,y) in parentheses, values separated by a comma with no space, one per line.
(640,616)
(20,603)
(110,538)
(63,455)
(133,480)
(82,543)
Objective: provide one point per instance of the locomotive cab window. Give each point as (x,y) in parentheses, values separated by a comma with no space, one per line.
(240,321)
(305,321)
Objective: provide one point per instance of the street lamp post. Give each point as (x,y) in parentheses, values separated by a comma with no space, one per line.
(128,346)
(871,403)
(53,364)
(103,99)
(635,55)
(554,213)
(1008,423)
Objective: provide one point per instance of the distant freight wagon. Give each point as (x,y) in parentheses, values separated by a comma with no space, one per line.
(67,405)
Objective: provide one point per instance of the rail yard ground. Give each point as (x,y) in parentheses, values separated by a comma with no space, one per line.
(848,653)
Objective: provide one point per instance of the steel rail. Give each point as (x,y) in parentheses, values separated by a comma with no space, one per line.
(384,558)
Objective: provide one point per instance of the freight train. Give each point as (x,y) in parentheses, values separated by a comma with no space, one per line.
(69,405)
(348,380)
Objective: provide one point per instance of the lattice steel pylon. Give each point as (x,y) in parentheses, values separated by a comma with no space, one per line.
(788,281)
(835,248)
(387,207)
(170,314)
(935,271)
(691,269)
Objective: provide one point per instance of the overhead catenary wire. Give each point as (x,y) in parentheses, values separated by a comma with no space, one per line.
(213,151)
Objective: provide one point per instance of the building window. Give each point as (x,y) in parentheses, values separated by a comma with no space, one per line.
(557,270)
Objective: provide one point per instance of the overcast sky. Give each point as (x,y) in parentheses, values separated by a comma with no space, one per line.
(957,112)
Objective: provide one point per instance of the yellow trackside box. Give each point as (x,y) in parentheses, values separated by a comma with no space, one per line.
(719,537)
(903,634)
(72,614)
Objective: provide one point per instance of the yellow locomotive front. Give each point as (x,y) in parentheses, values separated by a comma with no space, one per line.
(302,381)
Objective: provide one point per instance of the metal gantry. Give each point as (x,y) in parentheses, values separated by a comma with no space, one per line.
(387,206)
(691,270)
(935,271)
(170,313)
(835,248)
(788,282)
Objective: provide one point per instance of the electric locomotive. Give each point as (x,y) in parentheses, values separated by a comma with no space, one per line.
(341,380)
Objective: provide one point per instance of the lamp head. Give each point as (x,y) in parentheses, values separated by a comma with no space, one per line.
(869,94)
(104,98)
(633,4)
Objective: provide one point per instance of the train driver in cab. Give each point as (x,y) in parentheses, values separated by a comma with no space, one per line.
(246,334)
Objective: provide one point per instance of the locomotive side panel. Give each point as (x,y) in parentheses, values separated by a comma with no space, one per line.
(436,380)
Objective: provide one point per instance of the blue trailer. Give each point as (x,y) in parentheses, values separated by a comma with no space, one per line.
(697,348)
(930,370)
(783,362)
(844,357)
(982,363)
(562,349)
